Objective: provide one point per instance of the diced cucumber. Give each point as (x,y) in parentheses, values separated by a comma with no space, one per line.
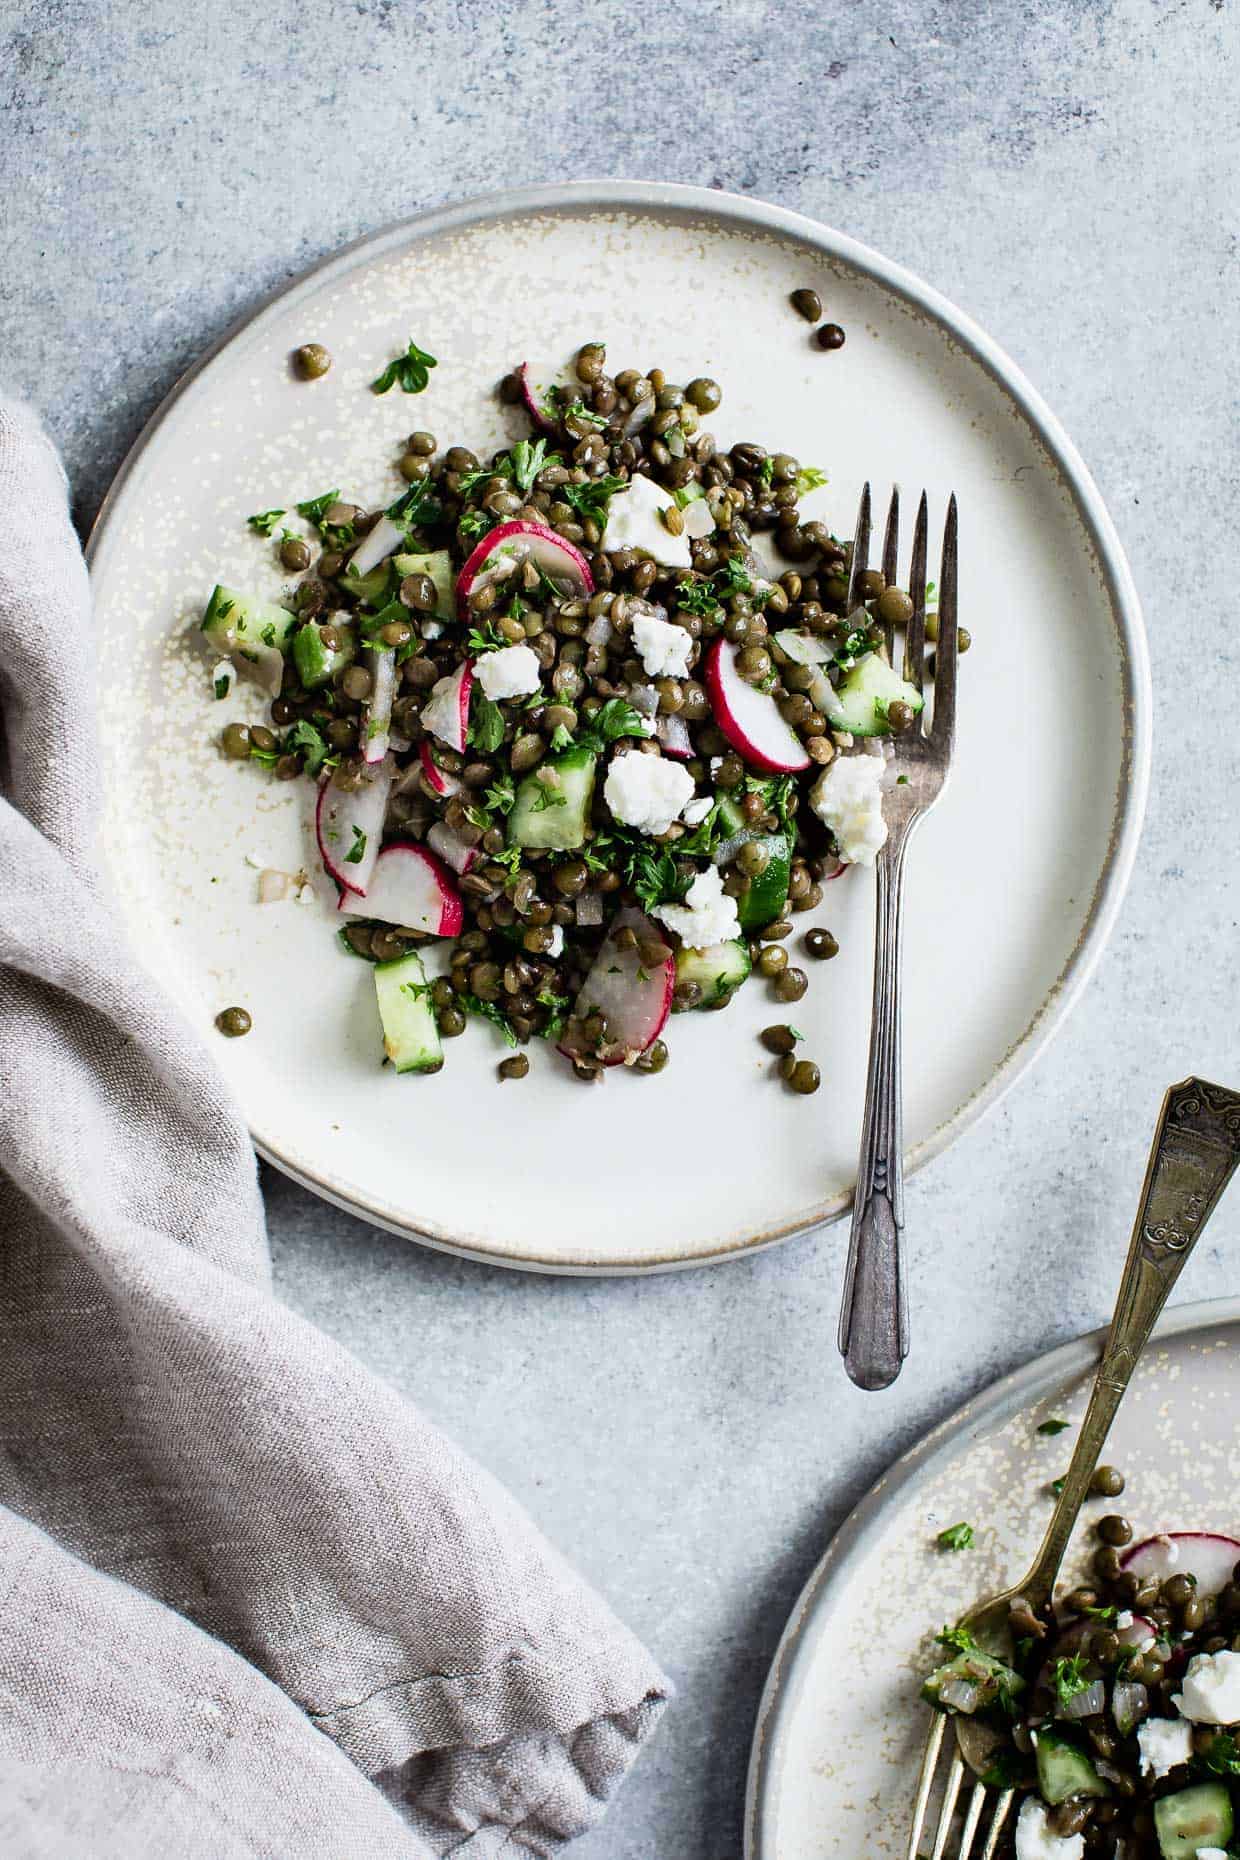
(371,588)
(1193,1818)
(768,893)
(316,663)
(438,565)
(410,1033)
(555,817)
(719,971)
(975,1668)
(252,633)
(860,702)
(1064,1770)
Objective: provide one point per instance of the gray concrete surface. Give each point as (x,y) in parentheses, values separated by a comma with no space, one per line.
(1066,171)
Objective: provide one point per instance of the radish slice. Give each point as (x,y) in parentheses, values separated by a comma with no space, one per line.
(536,386)
(446,713)
(636,997)
(1139,1633)
(348,824)
(750,718)
(411,888)
(436,778)
(384,540)
(510,544)
(1204,1554)
(451,848)
(377,717)
(673,733)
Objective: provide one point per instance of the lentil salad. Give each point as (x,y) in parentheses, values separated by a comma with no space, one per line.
(559,718)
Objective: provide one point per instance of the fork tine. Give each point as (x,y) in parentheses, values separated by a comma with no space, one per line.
(951,1789)
(915,637)
(891,559)
(977,1800)
(861,550)
(929,1762)
(996,1827)
(943,728)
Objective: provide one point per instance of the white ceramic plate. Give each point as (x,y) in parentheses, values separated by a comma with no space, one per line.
(833,1784)
(1014,881)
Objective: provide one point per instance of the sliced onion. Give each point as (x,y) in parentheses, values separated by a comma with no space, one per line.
(599,631)
(673,733)
(589,909)
(1086,1704)
(643,413)
(644,699)
(1130,1703)
(959,1694)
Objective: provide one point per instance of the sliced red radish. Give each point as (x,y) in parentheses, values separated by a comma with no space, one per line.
(538,385)
(411,888)
(348,824)
(509,545)
(451,848)
(377,716)
(384,540)
(1139,1633)
(436,778)
(829,878)
(446,712)
(750,718)
(1204,1554)
(673,733)
(631,990)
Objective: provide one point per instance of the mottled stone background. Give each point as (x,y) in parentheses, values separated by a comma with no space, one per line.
(1066,171)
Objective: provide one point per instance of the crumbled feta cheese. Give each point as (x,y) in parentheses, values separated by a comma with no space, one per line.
(634,522)
(1212,1853)
(696,812)
(716,763)
(646,792)
(707,916)
(1164,1743)
(663,647)
(1123,1619)
(847,798)
(556,946)
(1034,1840)
(512,671)
(1211,1689)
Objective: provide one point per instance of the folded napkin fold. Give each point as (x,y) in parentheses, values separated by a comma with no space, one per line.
(230,1554)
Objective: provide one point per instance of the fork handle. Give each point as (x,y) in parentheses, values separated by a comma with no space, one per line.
(873,1335)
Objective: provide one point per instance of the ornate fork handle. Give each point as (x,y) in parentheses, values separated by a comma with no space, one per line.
(873,1335)
(1196,1147)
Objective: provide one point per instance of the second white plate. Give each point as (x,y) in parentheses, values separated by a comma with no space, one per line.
(1013,882)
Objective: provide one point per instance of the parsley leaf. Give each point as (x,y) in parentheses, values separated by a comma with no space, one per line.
(561,739)
(593,498)
(475,524)
(315,508)
(527,459)
(766,471)
(579,411)
(304,739)
(263,522)
(487,1010)
(955,1537)
(549,797)
(416,507)
(266,758)
(411,370)
(1069,1678)
(1053,1426)
(486,723)
(697,597)
(500,796)
(558,1006)
(484,638)
(651,870)
(356,852)
(616,718)
(223,685)
(809,478)
(957,1640)
(690,493)
(1221,1756)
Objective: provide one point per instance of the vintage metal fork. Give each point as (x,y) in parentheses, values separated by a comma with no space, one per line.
(873,1334)
(1196,1147)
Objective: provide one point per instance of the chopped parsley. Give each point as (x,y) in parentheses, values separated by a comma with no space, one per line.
(1005,1771)
(500,796)
(1057,1486)
(955,1537)
(315,508)
(484,639)
(486,723)
(561,739)
(616,718)
(266,758)
(356,852)
(305,740)
(957,1640)
(578,410)
(557,1012)
(549,797)
(1221,1756)
(766,471)
(415,508)
(690,493)
(263,522)
(809,478)
(487,1010)
(1069,1678)
(1053,1426)
(410,370)
(475,524)
(415,990)
(591,500)
(526,460)
(222,685)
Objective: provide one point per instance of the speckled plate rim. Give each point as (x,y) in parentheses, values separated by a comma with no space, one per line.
(739,212)
(861,1532)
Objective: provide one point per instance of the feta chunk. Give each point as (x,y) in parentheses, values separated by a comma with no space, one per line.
(634,522)
(662,647)
(1211,1689)
(1034,1840)
(696,812)
(1164,1744)
(556,946)
(847,798)
(512,671)
(1212,1853)
(646,792)
(707,916)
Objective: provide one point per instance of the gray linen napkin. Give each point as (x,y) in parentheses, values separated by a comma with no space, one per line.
(238,1555)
